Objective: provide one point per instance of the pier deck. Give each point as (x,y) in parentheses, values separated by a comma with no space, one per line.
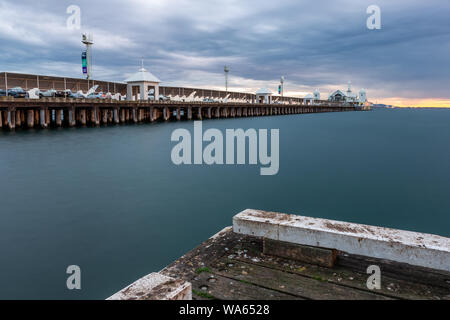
(58,112)
(233,266)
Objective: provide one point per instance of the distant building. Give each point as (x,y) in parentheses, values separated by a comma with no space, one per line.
(362,96)
(311,98)
(338,96)
(316,94)
(139,84)
(349,96)
(264,95)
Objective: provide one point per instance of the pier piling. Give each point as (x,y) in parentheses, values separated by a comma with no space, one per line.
(83,117)
(58,119)
(72,120)
(104,116)
(116,116)
(11,120)
(166,113)
(36,116)
(18,118)
(42,118)
(30,119)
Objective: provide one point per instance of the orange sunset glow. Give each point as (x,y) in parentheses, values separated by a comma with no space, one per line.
(416,103)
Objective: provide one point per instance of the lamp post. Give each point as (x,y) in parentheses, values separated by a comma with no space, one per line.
(226,69)
(282,86)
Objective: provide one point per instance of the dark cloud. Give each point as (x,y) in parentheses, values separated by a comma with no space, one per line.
(320,44)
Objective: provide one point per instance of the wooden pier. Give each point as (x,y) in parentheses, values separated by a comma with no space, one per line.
(274,256)
(58,112)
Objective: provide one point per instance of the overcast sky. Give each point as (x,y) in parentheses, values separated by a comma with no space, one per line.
(314,44)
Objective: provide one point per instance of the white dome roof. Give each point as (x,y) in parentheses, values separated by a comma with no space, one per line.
(141,76)
(308,96)
(362,91)
(263,91)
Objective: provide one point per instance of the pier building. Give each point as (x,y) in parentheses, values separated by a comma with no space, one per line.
(264,95)
(138,85)
(349,96)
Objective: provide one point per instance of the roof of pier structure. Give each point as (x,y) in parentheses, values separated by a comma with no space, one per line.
(342,93)
(264,91)
(143,76)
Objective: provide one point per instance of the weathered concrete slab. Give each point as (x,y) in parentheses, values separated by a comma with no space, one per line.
(155,286)
(414,248)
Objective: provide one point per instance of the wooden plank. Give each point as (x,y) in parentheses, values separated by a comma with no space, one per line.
(289,283)
(210,286)
(250,250)
(396,270)
(313,255)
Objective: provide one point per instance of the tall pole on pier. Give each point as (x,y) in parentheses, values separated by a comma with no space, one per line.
(226,69)
(282,86)
(88,40)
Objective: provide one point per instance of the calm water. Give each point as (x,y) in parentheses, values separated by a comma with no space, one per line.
(109,199)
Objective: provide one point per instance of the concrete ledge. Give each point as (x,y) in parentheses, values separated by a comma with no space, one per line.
(155,286)
(414,248)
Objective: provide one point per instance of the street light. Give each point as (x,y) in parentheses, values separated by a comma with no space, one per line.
(282,85)
(226,69)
